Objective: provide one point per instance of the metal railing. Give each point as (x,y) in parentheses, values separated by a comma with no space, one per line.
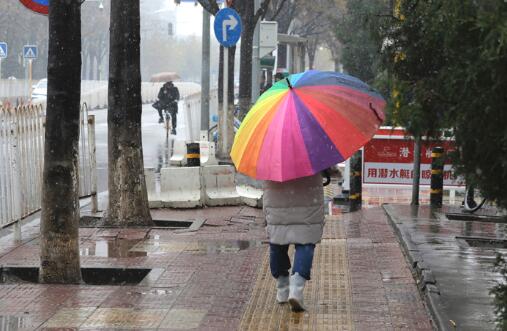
(22,131)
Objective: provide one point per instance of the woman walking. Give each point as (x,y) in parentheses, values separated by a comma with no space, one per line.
(294,213)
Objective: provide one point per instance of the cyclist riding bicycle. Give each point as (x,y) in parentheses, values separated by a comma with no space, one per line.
(168,97)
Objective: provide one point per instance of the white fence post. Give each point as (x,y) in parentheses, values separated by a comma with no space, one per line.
(15,177)
(93,161)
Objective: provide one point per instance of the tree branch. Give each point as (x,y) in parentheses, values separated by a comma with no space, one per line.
(280,7)
(210,6)
(261,11)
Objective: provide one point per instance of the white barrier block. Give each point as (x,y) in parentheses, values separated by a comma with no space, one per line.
(153,196)
(180,187)
(220,186)
(251,196)
(179,156)
(208,153)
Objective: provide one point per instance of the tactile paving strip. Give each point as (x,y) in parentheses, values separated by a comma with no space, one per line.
(327,295)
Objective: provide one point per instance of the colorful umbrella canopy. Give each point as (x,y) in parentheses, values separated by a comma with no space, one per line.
(305,124)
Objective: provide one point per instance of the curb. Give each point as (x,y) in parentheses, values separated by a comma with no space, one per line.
(426,281)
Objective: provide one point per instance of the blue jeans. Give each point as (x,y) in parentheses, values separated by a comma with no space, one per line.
(279,260)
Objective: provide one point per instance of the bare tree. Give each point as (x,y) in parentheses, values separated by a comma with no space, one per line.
(95,39)
(21,27)
(128,198)
(249,18)
(60,191)
(282,11)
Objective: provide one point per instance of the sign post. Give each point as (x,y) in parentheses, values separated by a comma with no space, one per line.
(30,53)
(205,67)
(227,31)
(3,55)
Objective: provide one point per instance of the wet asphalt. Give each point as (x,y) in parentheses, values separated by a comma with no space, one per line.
(157,147)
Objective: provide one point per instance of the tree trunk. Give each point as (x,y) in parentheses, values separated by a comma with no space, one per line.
(245,71)
(60,191)
(311,49)
(99,64)
(337,65)
(84,67)
(128,198)
(91,67)
(417,171)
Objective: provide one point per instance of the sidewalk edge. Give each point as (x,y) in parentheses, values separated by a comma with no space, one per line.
(426,282)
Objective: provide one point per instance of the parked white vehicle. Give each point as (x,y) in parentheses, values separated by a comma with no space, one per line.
(40,90)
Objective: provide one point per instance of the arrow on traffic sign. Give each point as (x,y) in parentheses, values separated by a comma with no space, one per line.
(232,22)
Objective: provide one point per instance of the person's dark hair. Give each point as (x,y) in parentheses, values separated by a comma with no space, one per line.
(326,173)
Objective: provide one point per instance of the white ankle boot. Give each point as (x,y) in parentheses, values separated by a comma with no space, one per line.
(296,288)
(282,289)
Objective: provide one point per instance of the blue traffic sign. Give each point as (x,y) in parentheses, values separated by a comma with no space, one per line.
(3,50)
(227,27)
(30,52)
(38,6)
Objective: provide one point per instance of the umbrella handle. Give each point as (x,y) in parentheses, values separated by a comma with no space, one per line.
(288,82)
(376,114)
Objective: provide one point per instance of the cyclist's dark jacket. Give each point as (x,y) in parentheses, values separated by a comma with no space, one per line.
(169,96)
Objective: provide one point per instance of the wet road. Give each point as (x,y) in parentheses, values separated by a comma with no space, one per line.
(156,147)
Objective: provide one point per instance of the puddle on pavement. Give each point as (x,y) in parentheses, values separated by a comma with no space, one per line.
(127,248)
(154,246)
(14,323)
(117,248)
(213,247)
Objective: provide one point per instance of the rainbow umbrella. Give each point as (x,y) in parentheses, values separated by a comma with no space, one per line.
(305,124)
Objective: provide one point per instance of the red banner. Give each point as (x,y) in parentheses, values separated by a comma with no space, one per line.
(388,159)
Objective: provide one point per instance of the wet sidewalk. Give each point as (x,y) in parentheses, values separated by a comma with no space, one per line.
(217,278)
(454,253)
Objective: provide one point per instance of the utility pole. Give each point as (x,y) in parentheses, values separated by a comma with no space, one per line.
(205,68)
(256,61)
(225,102)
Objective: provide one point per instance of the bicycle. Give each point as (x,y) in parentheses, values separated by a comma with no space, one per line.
(469,203)
(167,122)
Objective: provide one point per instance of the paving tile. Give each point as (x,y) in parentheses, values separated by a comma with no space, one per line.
(20,321)
(88,296)
(183,319)
(142,297)
(125,318)
(69,317)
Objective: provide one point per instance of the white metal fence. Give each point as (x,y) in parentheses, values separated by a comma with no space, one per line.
(22,156)
(192,104)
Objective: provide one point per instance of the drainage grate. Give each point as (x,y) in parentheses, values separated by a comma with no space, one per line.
(477,218)
(91,276)
(90,221)
(483,242)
